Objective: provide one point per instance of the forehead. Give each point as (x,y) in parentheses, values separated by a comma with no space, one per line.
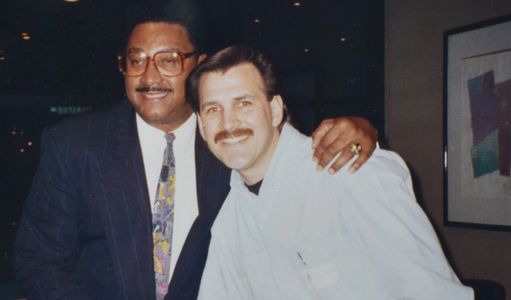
(243,78)
(154,36)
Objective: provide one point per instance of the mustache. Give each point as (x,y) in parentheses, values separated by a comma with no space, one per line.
(145,89)
(226,134)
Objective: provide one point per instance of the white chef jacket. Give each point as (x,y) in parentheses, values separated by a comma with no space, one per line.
(311,235)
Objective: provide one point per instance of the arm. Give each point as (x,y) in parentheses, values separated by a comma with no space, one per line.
(47,241)
(337,135)
(391,227)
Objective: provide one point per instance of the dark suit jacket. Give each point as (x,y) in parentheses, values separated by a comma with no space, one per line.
(86,226)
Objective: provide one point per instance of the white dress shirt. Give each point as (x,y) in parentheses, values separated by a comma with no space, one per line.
(309,235)
(153,144)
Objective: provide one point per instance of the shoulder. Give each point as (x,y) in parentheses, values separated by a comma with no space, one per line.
(294,146)
(382,163)
(291,137)
(91,125)
(97,119)
(89,132)
(383,180)
(381,191)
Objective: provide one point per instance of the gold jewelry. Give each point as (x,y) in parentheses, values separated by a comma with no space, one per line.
(356,148)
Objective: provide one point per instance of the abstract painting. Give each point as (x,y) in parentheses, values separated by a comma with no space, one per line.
(477,139)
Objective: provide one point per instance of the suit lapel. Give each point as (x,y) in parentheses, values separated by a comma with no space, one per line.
(126,211)
(212,181)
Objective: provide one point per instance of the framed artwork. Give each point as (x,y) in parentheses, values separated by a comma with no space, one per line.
(477,122)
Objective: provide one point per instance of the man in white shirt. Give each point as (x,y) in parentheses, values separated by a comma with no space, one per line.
(288,232)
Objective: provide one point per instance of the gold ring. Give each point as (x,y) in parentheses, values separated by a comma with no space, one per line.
(356,148)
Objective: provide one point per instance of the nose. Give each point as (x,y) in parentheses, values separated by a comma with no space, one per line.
(231,119)
(151,75)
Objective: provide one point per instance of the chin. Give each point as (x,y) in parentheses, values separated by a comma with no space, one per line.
(154,114)
(235,165)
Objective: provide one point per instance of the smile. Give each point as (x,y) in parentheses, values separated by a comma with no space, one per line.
(155,95)
(153,92)
(234,140)
(232,137)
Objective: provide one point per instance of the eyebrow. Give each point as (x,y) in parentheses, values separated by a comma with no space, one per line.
(244,96)
(206,104)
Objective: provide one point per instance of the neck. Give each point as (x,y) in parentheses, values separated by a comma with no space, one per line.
(257,171)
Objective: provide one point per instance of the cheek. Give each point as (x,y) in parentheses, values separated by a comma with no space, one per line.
(178,84)
(257,118)
(131,84)
(179,81)
(210,132)
(210,128)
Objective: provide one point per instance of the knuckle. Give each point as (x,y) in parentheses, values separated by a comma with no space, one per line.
(346,155)
(327,121)
(342,160)
(318,151)
(345,123)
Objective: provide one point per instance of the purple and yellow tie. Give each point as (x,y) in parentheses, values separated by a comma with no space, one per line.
(163,219)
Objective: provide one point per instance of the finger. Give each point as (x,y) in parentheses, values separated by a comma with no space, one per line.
(365,153)
(358,162)
(324,156)
(340,132)
(333,142)
(344,158)
(319,133)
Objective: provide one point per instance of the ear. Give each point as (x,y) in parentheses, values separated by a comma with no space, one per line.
(201,128)
(277,110)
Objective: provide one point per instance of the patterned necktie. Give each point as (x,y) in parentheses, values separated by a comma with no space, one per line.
(163,219)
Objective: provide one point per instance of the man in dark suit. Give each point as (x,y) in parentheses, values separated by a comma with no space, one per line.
(86,230)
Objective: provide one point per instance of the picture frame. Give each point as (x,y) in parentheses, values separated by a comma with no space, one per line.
(477,125)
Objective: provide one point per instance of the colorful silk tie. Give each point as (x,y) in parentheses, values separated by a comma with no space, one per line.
(163,219)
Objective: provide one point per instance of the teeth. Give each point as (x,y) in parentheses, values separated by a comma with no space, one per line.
(155,95)
(234,140)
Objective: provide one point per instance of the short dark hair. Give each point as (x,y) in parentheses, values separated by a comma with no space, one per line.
(187,13)
(224,60)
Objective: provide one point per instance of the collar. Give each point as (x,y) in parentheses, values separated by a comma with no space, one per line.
(185,133)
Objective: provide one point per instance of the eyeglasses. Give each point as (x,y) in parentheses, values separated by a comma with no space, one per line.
(168,63)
